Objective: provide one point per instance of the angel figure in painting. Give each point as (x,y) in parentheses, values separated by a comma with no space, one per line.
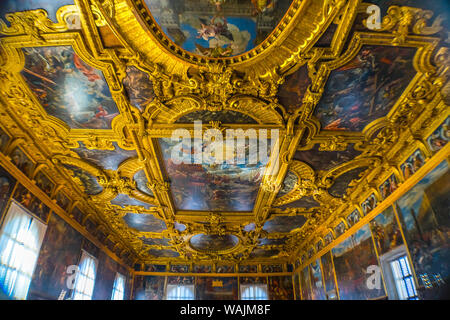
(214,29)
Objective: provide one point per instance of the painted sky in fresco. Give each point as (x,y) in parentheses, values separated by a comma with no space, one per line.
(326,160)
(106,159)
(124,200)
(224,116)
(293,89)
(288,184)
(90,182)
(139,87)
(211,187)
(144,222)
(217,28)
(284,223)
(141,182)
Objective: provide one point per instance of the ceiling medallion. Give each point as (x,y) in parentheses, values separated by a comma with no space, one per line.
(213,243)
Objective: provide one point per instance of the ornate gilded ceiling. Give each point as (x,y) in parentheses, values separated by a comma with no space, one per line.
(91,91)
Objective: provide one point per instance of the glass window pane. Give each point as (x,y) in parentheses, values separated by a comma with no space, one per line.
(85,280)
(254,292)
(404,282)
(180,292)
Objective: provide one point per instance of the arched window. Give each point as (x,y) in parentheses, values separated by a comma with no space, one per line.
(254,292)
(180,292)
(20,241)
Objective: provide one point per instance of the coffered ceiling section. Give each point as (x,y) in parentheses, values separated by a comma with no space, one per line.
(93,92)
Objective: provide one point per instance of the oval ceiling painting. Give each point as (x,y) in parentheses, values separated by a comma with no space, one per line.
(218,28)
(213,242)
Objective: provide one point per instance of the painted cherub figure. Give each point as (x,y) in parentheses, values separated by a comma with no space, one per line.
(214,29)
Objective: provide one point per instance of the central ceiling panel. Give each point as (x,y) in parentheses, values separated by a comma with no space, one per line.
(211,187)
(220,28)
(213,242)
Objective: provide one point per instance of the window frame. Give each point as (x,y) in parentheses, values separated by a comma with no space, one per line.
(114,290)
(401,278)
(84,253)
(41,224)
(170,287)
(262,286)
(389,278)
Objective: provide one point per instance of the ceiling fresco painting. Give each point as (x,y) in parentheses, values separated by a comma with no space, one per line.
(139,87)
(31,202)
(223,186)
(249,227)
(261,253)
(272,242)
(106,159)
(179,226)
(353,218)
(87,126)
(217,28)
(326,160)
(145,222)
(68,88)
(212,242)
(389,186)
(366,88)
